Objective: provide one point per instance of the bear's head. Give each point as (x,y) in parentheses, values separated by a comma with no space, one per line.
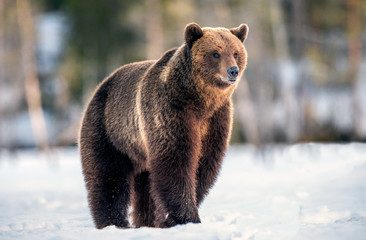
(218,54)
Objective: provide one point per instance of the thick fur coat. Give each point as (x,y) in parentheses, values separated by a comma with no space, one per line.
(155,132)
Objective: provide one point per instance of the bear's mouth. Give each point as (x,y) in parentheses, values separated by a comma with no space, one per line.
(228,81)
(231,81)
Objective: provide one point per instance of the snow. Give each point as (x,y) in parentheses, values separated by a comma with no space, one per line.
(305,191)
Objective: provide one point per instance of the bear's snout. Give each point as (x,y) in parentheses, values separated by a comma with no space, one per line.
(233,72)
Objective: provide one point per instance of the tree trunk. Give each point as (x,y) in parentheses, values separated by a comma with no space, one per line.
(154,29)
(287,72)
(355,57)
(304,112)
(2,56)
(298,21)
(254,105)
(32,86)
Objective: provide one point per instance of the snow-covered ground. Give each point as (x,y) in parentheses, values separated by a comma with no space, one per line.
(309,191)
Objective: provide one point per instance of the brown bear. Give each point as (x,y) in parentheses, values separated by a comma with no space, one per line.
(155,132)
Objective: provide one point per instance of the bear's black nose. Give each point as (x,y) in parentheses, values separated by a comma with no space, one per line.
(233,72)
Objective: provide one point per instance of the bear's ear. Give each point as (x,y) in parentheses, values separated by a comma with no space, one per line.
(240,32)
(192,32)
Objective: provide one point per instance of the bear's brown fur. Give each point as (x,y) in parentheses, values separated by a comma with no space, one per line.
(158,130)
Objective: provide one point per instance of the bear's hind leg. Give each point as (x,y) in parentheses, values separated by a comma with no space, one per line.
(108,175)
(143,204)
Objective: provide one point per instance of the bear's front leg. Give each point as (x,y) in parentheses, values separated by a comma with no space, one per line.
(173,158)
(214,146)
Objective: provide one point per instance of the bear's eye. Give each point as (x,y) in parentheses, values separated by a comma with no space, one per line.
(235,55)
(216,55)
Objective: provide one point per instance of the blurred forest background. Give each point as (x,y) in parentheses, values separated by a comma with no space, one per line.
(305,81)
